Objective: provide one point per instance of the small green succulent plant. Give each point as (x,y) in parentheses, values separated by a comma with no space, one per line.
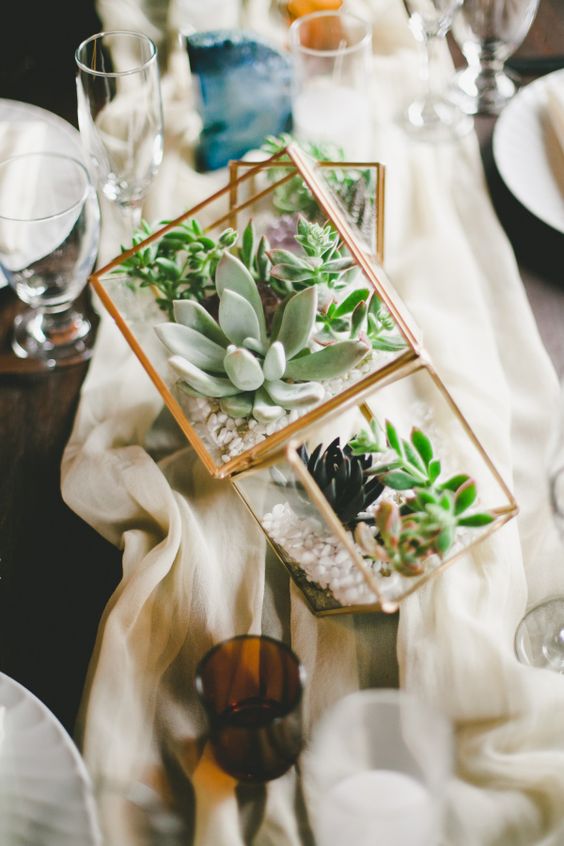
(321,262)
(405,535)
(351,185)
(360,314)
(179,266)
(239,362)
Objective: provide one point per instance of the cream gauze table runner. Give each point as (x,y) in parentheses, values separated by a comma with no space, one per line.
(194,564)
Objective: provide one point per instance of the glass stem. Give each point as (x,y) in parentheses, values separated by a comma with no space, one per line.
(132,213)
(61,325)
(431,68)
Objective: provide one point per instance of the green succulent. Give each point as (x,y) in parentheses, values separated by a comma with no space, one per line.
(180,265)
(342,479)
(321,263)
(237,361)
(426,522)
(352,186)
(360,314)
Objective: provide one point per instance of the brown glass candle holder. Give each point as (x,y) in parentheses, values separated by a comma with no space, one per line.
(251,688)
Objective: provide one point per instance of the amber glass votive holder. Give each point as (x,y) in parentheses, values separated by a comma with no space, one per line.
(251,688)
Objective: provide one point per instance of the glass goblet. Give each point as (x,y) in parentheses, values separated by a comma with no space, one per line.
(488,32)
(49,235)
(251,688)
(539,637)
(120,116)
(433,116)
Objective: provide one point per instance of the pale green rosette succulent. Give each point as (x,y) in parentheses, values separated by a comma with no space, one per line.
(237,362)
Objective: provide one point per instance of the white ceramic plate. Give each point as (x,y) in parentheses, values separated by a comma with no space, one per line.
(45,793)
(520,152)
(56,135)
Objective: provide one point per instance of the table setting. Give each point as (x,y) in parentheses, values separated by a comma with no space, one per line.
(314,434)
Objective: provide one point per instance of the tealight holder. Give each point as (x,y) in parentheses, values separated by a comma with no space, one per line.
(384,495)
(290,321)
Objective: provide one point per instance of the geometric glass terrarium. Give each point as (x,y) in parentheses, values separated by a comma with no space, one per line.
(265,307)
(265,319)
(385,494)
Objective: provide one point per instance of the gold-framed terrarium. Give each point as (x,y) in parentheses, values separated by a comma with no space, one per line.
(379,498)
(254,319)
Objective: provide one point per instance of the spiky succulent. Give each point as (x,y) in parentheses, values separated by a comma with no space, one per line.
(360,314)
(341,477)
(237,361)
(321,262)
(426,523)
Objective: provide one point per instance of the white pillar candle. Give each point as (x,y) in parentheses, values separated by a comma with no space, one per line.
(325,111)
(377,807)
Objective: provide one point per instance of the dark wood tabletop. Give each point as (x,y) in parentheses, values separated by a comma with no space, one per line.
(56,573)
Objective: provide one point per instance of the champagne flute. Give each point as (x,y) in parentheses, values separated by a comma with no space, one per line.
(49,234)
(488,31)
(432,116)
(120,116)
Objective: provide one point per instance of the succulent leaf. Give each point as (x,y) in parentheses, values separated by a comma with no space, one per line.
(195,316)
(327,363)
(240,405)
(232,275)
(264,410)
(275,362)
(475,521)
(298,321)
(423,445)
(206,384)
(183,341)
(243,369)
(294,395)
(237,318)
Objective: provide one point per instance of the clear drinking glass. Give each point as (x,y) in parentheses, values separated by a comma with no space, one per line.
(488,32)
(331,98)
(377,768)
(539,638)
(433,116)
(251,688)
(49,235)
(120,115)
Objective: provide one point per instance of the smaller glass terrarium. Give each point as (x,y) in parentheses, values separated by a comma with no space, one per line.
(264,307)
(383,495)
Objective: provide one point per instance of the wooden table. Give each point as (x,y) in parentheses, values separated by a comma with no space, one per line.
(56,573)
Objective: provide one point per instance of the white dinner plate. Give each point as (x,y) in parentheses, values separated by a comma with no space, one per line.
(58,136)
(521,156)
(46,797)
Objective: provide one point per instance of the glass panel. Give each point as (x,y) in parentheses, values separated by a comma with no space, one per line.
(276,324)
(394,489)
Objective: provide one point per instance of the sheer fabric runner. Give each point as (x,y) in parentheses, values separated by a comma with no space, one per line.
(193,563)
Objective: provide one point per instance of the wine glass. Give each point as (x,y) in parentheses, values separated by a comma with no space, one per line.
(539,638)
(488,32)
(120,116)
(49,234)
(433,116)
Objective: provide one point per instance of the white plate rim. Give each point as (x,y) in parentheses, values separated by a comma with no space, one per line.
(77,767)
(528,98)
